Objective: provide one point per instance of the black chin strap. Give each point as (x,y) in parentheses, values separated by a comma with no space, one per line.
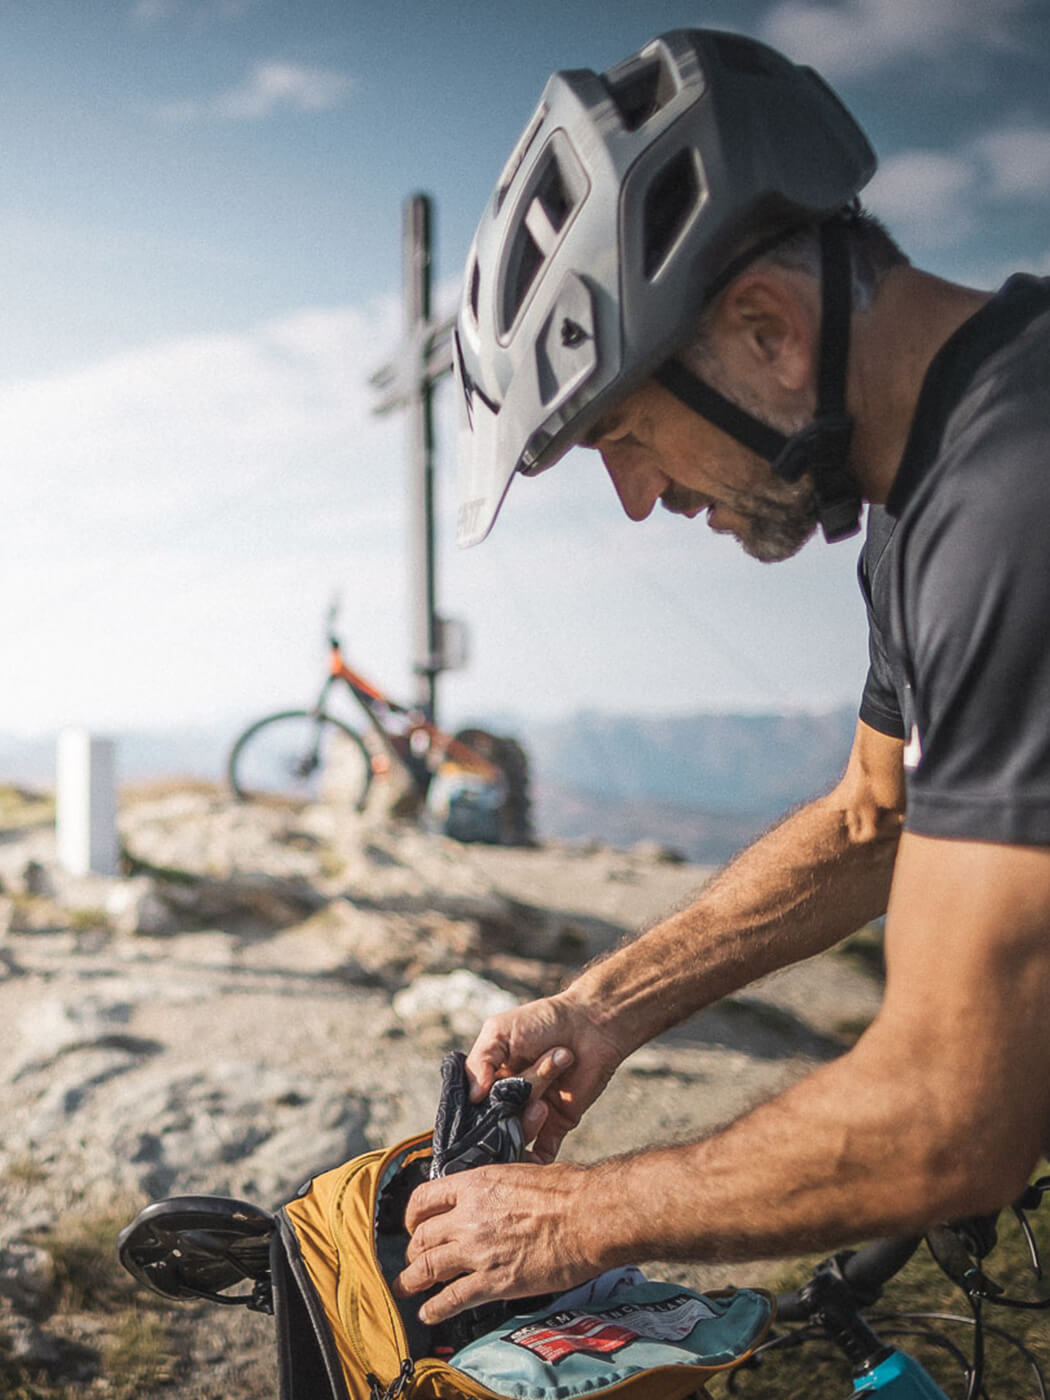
(822,446)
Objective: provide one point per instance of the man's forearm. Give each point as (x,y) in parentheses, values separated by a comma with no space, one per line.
(809,882)
(846,1155)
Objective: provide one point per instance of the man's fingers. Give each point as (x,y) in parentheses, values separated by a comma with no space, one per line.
(546,1070)
(435,1265)
(484,1062)
(428,1236)
(533,1119)
(429,1199)
(451,1300)
(548,1140)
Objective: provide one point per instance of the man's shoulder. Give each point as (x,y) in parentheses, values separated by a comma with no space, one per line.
(983,412)
(995,451)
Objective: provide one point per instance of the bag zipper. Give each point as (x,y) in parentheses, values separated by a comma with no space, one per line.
(397,1386)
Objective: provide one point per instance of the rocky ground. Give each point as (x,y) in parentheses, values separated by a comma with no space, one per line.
(268,991)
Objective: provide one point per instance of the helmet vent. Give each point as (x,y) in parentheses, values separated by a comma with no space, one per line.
(640,91)
(518,154)
(523,263)
(554,197)
(674,193)
(551,195)
(475,289)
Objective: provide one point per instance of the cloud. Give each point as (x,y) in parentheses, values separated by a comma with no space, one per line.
(176,519)
(1018,161)
(180,514)
(938,197)
(268,88)
(926,197)
(274,85)
(210,436)
(860,37)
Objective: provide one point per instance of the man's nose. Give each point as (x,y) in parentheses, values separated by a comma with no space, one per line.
(637,483)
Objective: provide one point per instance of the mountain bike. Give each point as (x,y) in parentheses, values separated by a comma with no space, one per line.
(294,754)
(214,1248)
(834,1308)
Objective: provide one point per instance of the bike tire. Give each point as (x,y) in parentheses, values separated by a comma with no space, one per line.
(284,756)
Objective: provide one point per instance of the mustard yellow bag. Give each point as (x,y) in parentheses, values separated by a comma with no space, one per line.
(343,1336)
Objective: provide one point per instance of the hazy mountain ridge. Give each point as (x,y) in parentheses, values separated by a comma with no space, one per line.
(732,763)
(705,784)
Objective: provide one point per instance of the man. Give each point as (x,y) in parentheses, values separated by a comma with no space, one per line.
(674,271)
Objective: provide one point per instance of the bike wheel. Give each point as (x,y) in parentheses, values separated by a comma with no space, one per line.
(300,756)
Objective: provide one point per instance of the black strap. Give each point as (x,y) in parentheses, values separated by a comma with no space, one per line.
(822,447)
(836,303)
(698,395)
(468,1134)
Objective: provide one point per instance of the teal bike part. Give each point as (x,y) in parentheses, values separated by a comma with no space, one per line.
(899,1377)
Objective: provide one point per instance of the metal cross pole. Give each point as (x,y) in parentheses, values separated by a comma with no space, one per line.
(424,357)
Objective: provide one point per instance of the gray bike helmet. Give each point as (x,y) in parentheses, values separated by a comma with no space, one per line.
(610,227)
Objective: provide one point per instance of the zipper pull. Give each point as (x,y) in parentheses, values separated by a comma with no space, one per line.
(397,1386)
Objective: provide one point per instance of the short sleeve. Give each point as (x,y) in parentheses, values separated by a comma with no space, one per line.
(878,702)
(976,585)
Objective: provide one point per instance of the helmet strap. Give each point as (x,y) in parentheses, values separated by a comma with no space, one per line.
(822,446)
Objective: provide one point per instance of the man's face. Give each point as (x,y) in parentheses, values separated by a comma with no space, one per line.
(655,449)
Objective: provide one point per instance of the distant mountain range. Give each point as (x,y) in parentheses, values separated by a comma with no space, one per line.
(703,784)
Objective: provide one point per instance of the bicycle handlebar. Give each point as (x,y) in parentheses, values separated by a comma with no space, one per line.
(864,1273)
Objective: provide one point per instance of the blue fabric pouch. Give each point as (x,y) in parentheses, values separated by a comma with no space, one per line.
(559,1353)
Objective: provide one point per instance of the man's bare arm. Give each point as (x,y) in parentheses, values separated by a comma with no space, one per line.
(940,1110)
(815,878)
(818,876)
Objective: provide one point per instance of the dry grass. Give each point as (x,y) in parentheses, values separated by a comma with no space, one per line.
(113,1338)
(120,1341)
(22,807)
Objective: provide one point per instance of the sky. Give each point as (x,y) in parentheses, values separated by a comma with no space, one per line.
(200,214)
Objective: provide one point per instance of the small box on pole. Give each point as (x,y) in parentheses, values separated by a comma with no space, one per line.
(86,804)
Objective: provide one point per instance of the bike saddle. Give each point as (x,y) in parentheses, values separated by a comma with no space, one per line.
(200,1247)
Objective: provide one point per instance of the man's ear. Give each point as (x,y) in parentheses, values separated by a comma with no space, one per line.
(772,321)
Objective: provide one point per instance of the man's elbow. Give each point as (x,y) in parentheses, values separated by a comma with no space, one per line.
(869,819)
(871,796)
(973,1162)
(868,824)
(960,1134)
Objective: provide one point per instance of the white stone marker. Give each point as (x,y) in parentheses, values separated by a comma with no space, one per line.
(86,804)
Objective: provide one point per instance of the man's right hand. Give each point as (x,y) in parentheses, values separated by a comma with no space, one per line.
(526,1041)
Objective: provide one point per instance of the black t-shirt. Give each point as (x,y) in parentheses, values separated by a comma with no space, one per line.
(956,576)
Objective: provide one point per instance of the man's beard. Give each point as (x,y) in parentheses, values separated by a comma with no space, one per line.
(776,523)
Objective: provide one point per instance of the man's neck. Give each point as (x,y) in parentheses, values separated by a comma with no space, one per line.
(891,347)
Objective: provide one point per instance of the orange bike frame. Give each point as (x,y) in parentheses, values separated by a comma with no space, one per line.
(438,742)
